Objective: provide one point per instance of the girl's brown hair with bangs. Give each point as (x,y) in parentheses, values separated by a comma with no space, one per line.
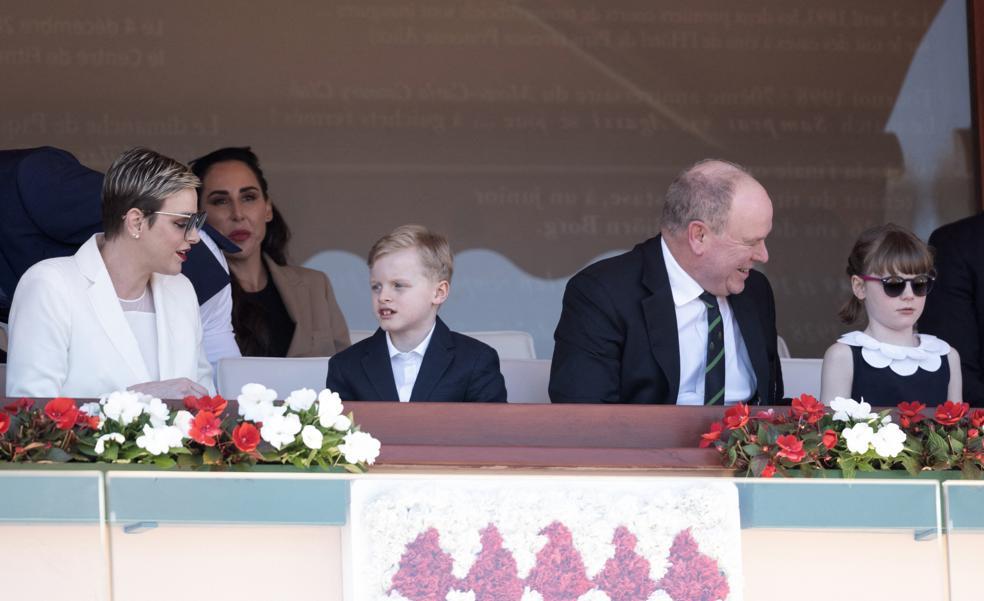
(884,249)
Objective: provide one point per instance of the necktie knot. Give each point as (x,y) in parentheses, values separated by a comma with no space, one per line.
(709,299)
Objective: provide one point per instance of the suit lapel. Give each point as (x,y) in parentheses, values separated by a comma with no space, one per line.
(437,359)
(379,369)
(292,290)
(660,315)
(106,306)
(751,332)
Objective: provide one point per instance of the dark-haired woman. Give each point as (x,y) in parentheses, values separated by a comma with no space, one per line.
(278,310)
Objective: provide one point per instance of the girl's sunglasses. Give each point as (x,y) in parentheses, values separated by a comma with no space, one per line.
(895,285)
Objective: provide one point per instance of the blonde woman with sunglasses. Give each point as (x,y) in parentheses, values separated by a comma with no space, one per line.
(118,313)
(891,272)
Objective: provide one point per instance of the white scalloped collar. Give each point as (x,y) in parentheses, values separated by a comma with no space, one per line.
(903,360)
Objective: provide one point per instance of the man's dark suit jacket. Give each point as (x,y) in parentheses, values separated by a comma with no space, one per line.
(617,340)
(955,308)
(455,368)
(50,204)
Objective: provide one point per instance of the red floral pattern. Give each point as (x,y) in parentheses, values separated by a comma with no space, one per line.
(692,576)
(493,576)
(559,571)
(626,576)
(425,570)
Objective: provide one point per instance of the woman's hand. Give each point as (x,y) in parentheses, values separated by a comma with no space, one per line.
(177,388)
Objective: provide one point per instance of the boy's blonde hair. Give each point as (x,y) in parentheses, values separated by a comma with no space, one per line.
(435,253)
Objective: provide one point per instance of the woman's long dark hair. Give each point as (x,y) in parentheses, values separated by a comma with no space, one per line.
(253,333)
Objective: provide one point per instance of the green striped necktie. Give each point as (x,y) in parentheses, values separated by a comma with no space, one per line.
(714,367)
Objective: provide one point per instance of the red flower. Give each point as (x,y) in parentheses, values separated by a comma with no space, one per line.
(4,423)
(790,447)
(808,407)
(213,404)
(911,413)
(62,411)
(625,577)
(949,413)
(973,433)
(708,438)
(768,471)
(204,428)
(829,439)
(87,421)
(736,416)
(246,437)
(977,418)
(15,407)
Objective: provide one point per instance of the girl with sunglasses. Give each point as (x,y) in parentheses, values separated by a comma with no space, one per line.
(891,273)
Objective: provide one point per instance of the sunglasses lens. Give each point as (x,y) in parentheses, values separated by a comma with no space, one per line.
(893,286)
(921,285)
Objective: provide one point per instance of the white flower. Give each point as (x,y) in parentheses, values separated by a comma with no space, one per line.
(889,440)
(157,410)
(312,437)
(280,430)
(182,421)
(342,423)
(454,595)
(858,437)
(301,400)
(94,410)
(359,446)
(122,406)
(329,408)
(256,401)
(101,441)
(159,440)
(531,595)
(850,410)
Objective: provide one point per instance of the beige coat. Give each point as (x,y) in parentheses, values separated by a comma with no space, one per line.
(320,329)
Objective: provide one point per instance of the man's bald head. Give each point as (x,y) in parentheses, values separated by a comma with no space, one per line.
(702,192)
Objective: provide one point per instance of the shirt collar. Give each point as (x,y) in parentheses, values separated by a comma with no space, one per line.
(685,289)
(420,349)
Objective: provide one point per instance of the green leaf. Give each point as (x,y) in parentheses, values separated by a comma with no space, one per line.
(848,465)
(732,456)
(937,446)
(112,452)
(910,464)
(864,466)
(164,462)
(189,460)
(757,464)
(752,450)
(298,462)
(212,456)
(969,471)
(355,469)
(957,446)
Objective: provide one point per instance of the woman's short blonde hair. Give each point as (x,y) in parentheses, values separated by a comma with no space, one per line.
(435,253)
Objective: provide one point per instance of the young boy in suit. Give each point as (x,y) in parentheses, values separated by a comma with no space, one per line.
(413,356)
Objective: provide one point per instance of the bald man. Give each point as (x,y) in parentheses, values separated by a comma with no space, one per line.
(682,318)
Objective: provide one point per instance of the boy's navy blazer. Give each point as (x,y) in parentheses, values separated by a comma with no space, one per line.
(455,368)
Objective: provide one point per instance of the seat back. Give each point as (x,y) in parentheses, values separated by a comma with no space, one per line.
(801,376)
(510,344)
(284,375)
(526,380)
